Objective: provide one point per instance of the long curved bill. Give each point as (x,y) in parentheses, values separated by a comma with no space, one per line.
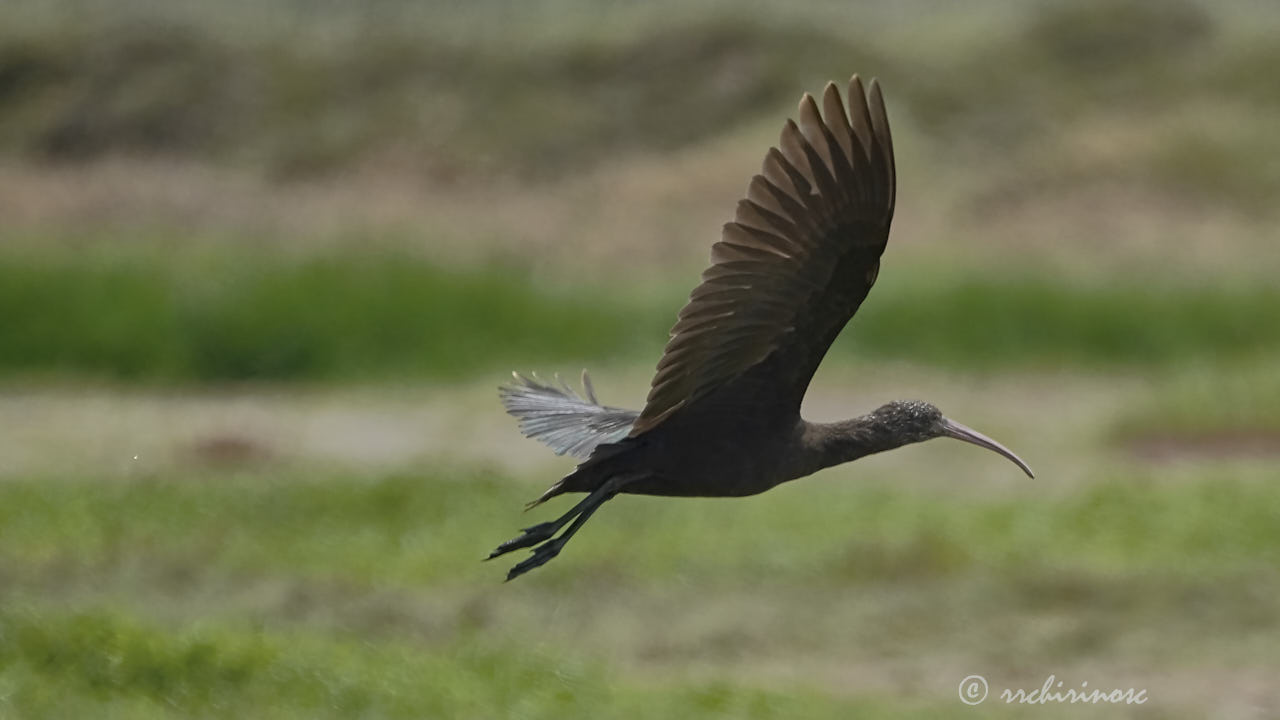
(955,430)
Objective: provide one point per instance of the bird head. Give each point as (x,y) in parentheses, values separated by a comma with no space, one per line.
(917,421)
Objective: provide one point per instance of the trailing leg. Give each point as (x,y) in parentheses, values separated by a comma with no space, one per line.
(579,514)
(537,533)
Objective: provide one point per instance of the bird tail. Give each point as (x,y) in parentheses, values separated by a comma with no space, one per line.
(570,423)
(558,416)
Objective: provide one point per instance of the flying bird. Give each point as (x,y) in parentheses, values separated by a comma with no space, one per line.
(722,418)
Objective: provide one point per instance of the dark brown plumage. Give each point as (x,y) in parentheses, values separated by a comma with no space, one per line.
(723,414)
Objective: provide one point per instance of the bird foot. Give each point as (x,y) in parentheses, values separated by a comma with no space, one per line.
(529,536)
(541,556)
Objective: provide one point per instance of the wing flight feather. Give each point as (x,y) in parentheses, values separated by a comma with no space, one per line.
(795,263)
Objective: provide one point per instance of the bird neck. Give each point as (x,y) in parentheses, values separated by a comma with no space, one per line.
(828,444)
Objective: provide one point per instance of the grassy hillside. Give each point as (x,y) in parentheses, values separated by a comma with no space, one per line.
(492,88)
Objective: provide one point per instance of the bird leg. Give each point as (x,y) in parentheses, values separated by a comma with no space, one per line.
(537,533)
(579,514)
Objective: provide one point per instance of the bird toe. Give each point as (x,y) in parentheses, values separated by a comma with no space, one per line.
(529,536)
(541,556)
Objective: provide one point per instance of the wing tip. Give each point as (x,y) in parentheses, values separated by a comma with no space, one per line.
(855,81)
(874,93)
(871,89)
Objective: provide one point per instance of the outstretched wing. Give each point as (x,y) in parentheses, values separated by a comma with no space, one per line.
(796,262)
(567,422)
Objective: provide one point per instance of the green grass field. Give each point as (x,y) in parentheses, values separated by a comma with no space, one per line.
(214,318)
(262,267)
(341,595)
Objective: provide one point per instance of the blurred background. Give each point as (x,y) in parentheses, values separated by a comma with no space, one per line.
(263,264)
